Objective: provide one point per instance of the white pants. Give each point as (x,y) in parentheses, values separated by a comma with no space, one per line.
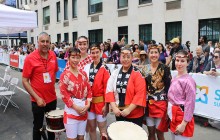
(99,118)
(178,137)
(78,128)
(153,121)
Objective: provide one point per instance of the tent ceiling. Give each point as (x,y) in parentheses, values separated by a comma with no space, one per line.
(14,20)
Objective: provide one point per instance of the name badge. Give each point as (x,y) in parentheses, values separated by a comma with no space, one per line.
(46,77)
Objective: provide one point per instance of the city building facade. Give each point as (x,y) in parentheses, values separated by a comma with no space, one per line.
(160,20)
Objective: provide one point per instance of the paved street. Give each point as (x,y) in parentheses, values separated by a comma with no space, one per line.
(16,124)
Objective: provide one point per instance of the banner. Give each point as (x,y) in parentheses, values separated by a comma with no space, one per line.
(61,66)
(6,58)
(207,96)
(21,61)
(14,60)
(1,57)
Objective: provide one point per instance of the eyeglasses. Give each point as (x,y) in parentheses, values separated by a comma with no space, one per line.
(216,57)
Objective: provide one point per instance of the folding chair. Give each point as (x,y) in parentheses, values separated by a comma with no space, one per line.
(7,71)
(9,93)
(5,84)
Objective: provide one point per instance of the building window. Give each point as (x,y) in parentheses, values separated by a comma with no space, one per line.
(144,1)
(123,32)
(25,2)
(173,29)
(65,9)
(58,38)
(30,1)
(21,2)
(95,6)
(74,8)
(95,36)
(210,28)
(145,32)
(66,37)
(58,12)
(122,3)
(32,39)
(37,16)
(74,37)
(46,15)
(17,4)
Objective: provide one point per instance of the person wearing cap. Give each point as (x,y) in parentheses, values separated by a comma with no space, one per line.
(126,91)
(158,80)
(175,43)
(143,63)
(143,59)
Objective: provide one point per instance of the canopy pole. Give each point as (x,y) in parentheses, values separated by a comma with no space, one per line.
(8,41)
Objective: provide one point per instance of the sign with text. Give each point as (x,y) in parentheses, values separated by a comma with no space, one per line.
(14,60)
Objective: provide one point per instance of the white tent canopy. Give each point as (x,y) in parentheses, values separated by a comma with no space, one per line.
(14,20)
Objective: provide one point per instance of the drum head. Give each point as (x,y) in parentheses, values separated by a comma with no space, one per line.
(55,114)
(122,130)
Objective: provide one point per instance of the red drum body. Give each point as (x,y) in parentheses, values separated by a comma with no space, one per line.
(54,119)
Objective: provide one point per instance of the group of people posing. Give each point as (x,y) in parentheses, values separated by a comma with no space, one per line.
(88,89)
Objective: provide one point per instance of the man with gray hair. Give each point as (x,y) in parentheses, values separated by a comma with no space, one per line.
(197,64)
(38,78)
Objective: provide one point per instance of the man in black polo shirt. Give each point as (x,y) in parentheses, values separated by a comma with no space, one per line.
(175,43)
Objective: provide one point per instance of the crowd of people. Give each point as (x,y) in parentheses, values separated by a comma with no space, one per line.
(141,88)
(110,53)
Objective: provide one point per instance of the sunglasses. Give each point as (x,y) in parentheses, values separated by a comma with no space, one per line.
(216,57)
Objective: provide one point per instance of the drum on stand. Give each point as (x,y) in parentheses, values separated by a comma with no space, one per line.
(122,130)
(54,120)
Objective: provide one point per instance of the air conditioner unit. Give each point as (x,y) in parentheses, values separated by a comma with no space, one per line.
(46,27)
(95,18)
(122,13)
(65,23)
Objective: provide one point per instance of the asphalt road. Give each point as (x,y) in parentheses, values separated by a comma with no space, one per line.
(16,124)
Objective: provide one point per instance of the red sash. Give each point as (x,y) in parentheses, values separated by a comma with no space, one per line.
(79,118)
(177,118)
